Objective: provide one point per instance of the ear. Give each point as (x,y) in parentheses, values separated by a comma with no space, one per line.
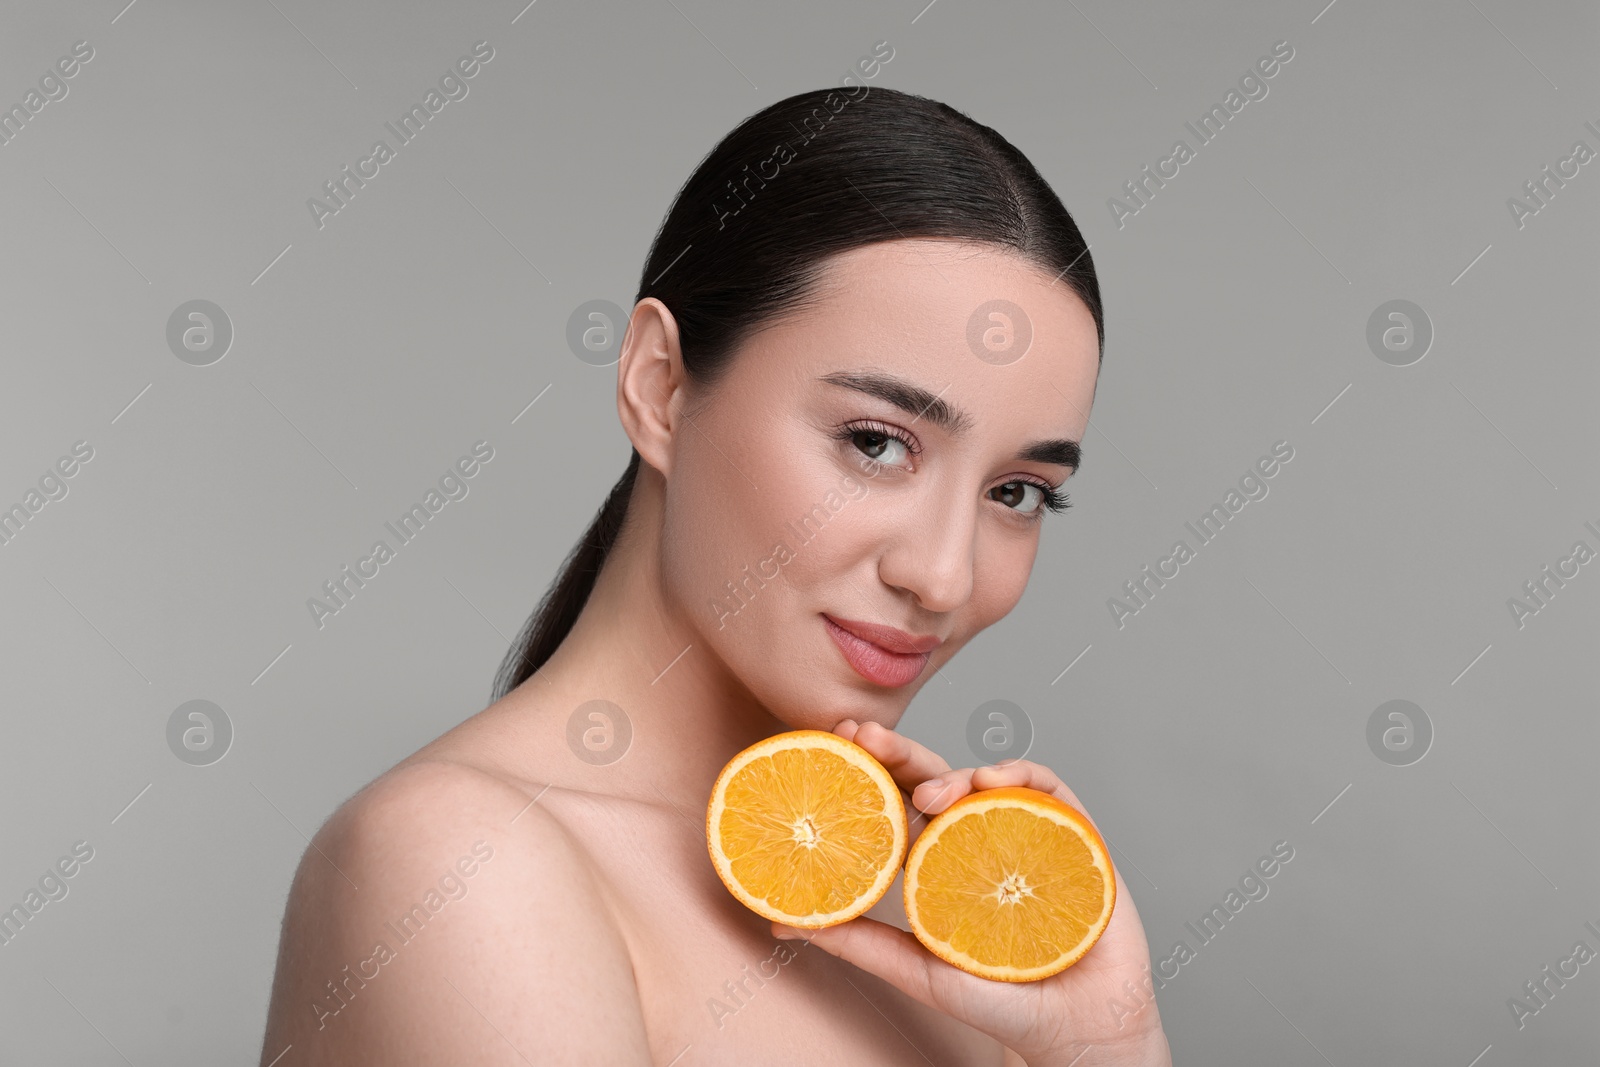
(650,381)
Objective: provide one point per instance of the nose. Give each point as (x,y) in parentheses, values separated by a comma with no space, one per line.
(931,552)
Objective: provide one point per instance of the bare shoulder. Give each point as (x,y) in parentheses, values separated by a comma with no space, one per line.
(440,916)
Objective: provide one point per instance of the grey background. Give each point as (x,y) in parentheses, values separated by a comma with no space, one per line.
(1225,716)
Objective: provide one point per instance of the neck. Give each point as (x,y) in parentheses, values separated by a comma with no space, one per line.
(632,645)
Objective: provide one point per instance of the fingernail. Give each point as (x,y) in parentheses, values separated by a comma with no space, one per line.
(786,933)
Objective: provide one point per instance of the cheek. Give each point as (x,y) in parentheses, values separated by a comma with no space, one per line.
(1000,576)
(731,550)
(708,536)
(825,536)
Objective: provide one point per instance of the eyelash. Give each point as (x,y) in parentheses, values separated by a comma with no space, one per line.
(1054,499)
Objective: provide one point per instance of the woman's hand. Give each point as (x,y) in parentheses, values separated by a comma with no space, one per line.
(1079,1016)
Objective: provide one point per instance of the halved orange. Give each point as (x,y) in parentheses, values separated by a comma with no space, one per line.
(1010,884)
(806,828)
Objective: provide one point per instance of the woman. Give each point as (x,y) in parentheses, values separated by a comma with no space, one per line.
(864,349)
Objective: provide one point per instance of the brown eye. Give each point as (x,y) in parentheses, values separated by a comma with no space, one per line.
(1013,494)
(878,445)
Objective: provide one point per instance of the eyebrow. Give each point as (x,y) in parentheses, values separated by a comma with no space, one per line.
(918,402)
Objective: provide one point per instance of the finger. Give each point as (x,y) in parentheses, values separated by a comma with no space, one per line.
(907,761)
(938,793)
(1032,775)
(1024,773)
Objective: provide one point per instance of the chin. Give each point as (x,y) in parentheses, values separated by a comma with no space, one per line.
(816,712)
(816,689)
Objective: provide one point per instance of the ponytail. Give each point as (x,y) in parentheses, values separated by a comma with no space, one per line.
(550,623)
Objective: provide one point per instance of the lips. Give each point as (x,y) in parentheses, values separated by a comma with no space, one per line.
(896,661)
(887,637)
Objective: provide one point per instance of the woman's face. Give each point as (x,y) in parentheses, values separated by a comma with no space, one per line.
(880,459)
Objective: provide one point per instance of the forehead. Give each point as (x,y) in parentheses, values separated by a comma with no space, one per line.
(943,313)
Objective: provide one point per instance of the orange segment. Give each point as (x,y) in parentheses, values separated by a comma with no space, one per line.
(806,828)
(1010,884)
